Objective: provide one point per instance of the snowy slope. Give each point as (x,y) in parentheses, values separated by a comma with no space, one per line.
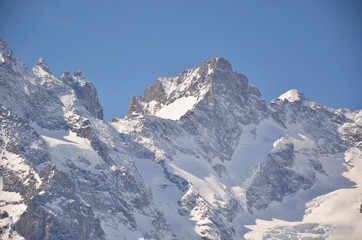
(221,158)
(332,215)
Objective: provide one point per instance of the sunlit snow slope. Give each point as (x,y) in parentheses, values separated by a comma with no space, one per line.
(228,160)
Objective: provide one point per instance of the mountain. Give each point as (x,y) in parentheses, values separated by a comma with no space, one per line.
(199,156)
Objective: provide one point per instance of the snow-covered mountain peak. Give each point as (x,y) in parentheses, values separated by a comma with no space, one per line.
(292,95)
(218,63)
(41,68)
(174,97)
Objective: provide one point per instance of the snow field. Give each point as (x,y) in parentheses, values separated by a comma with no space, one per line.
(330,215)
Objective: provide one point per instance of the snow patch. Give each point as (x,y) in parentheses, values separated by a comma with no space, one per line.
(292,95)
(68,100)
(177,109)
(166,196)
(280,143)
(67,146)
(301,142)
(255,144)
(304,143)
(11,202)
(40,72)
(2,59)
(63,137)
(125,126)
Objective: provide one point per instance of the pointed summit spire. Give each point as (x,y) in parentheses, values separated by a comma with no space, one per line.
(292,95)
(40,64)
(218,63)
(3,45)
(5,51)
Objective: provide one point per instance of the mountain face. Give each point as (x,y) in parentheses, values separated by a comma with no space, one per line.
(199,156)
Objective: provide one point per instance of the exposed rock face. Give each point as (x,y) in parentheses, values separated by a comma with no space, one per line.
(276,179)
(85,92)
(199,156)
(38,222)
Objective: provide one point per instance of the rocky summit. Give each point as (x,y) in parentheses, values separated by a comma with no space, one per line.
(198,156)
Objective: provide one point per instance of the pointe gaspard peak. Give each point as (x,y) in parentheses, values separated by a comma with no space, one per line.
(198,156)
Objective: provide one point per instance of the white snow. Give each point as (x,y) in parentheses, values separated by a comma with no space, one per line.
(255,144)
(280,143)
(62,137)
(206,186)
(2,60)
(166,196)
(68,100)
(303,143)
(66,145)
(300,142)
(177,109)
(292,95)
(11,203)
(40,72)
(125,126)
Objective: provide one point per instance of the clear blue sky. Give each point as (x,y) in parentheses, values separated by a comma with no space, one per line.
(314,46)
